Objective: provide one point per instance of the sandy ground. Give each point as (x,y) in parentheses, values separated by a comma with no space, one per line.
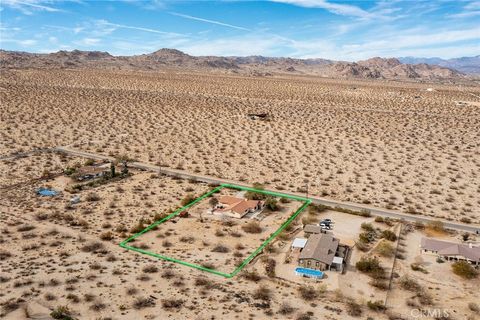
(48,259)
(175,239)
(391,144)
(450,293)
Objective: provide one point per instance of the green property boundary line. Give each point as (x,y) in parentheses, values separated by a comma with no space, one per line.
(305,201)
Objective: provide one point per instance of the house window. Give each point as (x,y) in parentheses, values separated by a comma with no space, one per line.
(317,264)
(308,263)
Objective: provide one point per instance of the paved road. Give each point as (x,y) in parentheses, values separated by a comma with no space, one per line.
(317,200)
(18,155)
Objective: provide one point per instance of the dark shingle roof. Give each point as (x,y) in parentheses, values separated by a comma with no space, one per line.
(320,247)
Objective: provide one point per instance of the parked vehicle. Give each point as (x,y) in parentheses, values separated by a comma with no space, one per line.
(325,226)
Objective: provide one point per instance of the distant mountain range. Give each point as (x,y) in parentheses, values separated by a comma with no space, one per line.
(467,65)
(374,68)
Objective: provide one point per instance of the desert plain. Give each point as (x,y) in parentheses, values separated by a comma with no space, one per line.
(406,146)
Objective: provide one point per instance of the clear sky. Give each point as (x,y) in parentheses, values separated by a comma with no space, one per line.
(339,30)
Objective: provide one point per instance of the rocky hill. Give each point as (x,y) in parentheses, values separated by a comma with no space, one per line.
(375,68)
(468,65)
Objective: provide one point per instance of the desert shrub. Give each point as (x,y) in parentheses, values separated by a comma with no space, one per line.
(9,306)
(371,266)
(271,204)
(252,227)
(409,284)
(270,265)
(474,307)
(106,236)
(389,235)
(379,284)
(143,246)
(219,233)
(419,225)
(353,308)
(168,274)
(92,196)
(376,305)
(4,254)
(464,270)
(73,297)
(208,265)
(236,234)
(111,258)
(144,277)
(88,297)
(25,227)
(188,239)
(138,227)
(385,249)
(270,248)
(95,266)
(159,216)
(50,296)
(221,248)
(424,297)
(367,227)
(466,220)
(379,219)
(98,306)
(317,208)
(166,244)
(251,275)
(93,246)
(418,267)
(172,304)
(436,225)
(286,309)
(189,198)
(151,268)
(305,316)
(308,293)
(366,237)
(255,195)
(40,216)
(143,302)
(62,312)
(132,291)
(202,282)
(263,293)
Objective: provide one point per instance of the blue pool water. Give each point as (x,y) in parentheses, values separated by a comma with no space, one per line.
(309,272)
(47,192)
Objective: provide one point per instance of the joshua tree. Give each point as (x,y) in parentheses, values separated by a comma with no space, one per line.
(112,169)
(125,167)
(213,202)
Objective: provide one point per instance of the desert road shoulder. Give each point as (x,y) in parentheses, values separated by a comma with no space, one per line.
(317,200)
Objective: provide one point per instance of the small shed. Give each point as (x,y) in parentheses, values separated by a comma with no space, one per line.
(299,243)
(338,263)
(310,229)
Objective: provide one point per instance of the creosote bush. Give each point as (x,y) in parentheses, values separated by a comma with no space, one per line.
(252,227)
(464,270)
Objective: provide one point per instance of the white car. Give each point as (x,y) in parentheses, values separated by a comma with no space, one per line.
(325,226)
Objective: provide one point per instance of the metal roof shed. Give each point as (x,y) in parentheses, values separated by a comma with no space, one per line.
(299,243)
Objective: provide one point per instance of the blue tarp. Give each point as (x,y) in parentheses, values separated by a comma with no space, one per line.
(47,192)
(309,272)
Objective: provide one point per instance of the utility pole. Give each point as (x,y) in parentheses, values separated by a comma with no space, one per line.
(306,187)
